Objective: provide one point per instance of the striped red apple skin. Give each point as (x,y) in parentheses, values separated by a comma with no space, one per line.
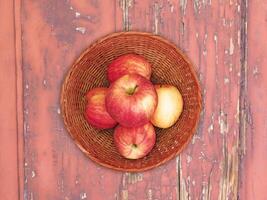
(131,100)
(136,142)
(129,64)
(96,113)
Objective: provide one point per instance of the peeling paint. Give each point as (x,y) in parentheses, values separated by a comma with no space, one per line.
(238,8)
(188,159)
(232,47)
(44,82)
(125,5)
(33,174)
(215,38)
(226,80)
(81,29)
(216,49)
(172,8)
(149,194)
(196,6)
(255,71)
(210,128)
(77,14)
(184,194)
(223,123)
(195,137)
(134,177)
(230,67)
(26,111)
(157,10)
(224,22)
(124,194)
(183,4)
(83,195)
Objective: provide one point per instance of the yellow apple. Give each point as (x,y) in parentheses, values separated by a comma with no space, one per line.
(169,108)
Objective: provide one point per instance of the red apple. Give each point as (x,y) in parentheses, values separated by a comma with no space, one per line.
(131,100)
(136,142)
(96,113)
(128,64)
(169,108)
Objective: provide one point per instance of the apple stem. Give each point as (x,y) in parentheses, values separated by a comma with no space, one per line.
(131,91)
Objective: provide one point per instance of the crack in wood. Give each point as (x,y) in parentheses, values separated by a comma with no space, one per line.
(244,111)
(243,103)
(178,167)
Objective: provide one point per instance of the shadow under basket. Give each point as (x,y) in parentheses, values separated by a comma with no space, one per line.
(169,66)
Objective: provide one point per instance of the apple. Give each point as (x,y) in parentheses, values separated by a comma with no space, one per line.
(96,113)
(131,100)
(169,108)
(136,142)
(128,64)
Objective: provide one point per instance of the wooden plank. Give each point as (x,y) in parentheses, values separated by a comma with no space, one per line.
(209,32)
(161,182)
(54,34)
(254,160)
(211,37)
(9,101)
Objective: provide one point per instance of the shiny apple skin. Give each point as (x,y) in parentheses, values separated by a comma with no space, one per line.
(169,108)
(128,64)
(135,143)
(135,109)
(96,113)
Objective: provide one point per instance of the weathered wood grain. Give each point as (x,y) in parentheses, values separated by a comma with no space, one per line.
(54,33)
(225,40)
(209,32)
(162,182)
(211,36)
(254,160)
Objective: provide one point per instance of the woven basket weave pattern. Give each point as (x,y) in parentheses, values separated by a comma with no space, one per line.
(169,66)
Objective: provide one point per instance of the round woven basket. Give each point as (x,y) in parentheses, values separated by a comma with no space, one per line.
(169,66)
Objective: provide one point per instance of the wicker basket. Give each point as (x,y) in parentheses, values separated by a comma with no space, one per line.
(169,66)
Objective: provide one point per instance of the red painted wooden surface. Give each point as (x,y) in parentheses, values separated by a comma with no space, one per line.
(226,41)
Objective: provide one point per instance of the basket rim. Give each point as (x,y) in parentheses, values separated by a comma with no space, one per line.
(81,56)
